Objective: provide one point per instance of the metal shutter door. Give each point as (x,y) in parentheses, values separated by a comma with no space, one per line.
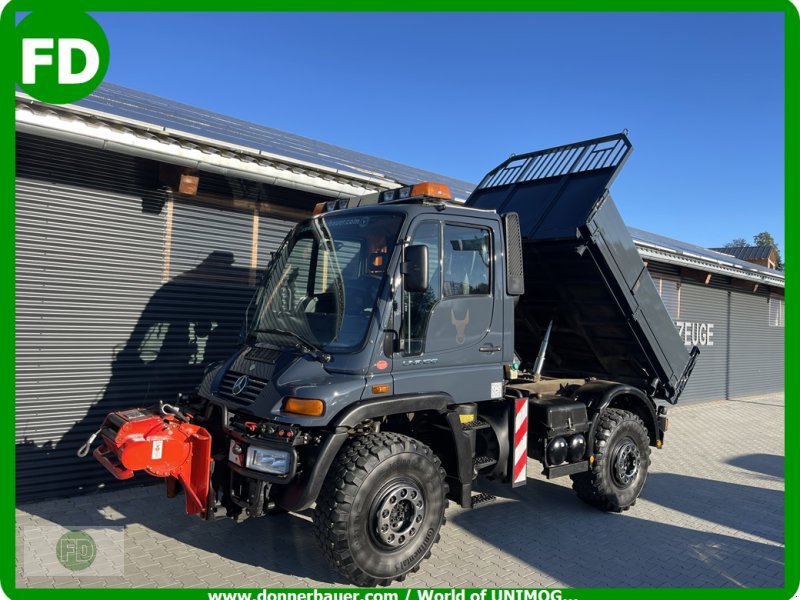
(89,257)
(757,355)
(706,304)
(270,236)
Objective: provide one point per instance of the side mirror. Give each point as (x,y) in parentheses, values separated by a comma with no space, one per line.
(415,268)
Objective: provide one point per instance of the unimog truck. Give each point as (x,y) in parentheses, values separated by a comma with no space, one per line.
(400,346)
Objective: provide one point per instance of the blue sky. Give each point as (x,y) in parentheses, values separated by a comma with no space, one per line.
(700,93)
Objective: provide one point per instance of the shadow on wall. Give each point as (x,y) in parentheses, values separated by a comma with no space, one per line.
(191,321)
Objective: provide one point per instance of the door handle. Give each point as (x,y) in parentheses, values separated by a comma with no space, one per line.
(489,348)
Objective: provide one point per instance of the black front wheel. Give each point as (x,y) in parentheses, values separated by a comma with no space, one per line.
(622,459)
(381,507)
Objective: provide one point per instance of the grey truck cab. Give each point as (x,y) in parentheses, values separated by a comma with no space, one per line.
(401,345)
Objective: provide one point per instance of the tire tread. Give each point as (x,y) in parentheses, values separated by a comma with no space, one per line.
(348,472)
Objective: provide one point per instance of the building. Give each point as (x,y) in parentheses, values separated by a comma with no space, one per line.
(142,225)
(766,256)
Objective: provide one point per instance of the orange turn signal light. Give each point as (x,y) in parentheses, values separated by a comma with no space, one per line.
(304,406)
(430,188)
(319,208)
(383,388)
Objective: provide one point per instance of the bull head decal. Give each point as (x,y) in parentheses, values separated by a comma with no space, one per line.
(460,325)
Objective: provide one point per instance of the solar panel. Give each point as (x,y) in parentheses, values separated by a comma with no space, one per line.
(132,104)
(685,247)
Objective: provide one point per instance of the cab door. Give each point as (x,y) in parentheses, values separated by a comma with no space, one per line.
(451,334)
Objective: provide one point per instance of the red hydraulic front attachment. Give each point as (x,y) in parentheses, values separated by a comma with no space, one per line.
(162,445)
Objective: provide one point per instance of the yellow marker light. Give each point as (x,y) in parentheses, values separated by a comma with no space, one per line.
(383,388)
(429,188)
(304,406)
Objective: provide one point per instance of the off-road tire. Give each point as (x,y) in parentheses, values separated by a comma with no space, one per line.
(368,472)
(622,459)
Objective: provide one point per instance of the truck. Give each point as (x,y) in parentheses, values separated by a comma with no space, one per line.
(401,346)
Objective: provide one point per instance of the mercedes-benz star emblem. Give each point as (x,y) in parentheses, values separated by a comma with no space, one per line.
(239,385)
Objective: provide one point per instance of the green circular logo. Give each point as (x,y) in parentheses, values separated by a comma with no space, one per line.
(63,56)
(76,550)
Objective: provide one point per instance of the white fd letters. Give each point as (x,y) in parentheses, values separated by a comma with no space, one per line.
(32,57)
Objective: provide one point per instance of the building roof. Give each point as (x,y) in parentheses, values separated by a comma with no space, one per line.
(747,252)
(126,120)
(665,249)
(123,102)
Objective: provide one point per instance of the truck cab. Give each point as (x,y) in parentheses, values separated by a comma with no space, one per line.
(371,302)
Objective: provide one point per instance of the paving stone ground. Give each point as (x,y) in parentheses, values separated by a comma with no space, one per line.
(711,515)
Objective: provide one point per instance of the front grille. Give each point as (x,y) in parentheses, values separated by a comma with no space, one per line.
(267,355)
(247,395)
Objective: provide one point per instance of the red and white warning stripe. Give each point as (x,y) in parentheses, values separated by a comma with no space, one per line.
(520,442)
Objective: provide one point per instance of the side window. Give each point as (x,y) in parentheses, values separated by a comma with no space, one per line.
(417,306)
(467,253)
(776,312)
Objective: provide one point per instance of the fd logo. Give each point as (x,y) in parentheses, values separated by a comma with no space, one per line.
(63,55)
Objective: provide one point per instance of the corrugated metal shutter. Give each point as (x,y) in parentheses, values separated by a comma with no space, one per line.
(700,307)
(757,352)
(270,235)
(204,303)
(104,322)
(89,257)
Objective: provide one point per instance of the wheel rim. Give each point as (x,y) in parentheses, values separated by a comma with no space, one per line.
(398,514)
(625,466)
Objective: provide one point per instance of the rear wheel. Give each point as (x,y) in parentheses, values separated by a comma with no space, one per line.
(381,507)
(622,459)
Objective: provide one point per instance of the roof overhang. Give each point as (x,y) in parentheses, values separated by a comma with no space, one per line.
(93,128)
(650,251)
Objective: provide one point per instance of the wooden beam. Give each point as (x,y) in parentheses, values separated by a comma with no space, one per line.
(189,182)
(165,274)
(254,249)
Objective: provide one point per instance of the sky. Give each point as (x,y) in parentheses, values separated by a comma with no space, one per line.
(701,95)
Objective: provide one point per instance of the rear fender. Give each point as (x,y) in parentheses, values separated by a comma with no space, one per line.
(599,395)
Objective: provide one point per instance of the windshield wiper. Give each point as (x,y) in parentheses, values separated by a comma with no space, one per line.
(302,344)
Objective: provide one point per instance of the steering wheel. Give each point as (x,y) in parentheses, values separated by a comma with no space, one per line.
(302,307)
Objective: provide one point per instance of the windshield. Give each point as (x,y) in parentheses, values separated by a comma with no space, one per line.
(323,285)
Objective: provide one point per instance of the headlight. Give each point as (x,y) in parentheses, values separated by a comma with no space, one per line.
(267,460)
